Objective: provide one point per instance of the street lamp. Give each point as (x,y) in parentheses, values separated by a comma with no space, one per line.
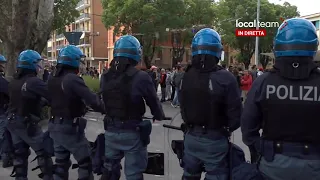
(257,38)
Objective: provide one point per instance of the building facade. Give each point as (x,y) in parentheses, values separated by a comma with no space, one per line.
(94,39)
(162,56)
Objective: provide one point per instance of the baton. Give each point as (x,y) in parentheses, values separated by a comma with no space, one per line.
(172,127)
(151,118)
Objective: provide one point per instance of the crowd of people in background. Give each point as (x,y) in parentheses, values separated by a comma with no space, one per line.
(88,71)
(168,79)
(245,77)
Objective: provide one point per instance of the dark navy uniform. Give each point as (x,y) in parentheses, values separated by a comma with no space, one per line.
(26,91)
(70,96)
(284,104)
(210,107)
(125,90)
(5,137)
(4,100)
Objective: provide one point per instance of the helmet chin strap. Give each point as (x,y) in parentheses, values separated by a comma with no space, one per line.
(1,68)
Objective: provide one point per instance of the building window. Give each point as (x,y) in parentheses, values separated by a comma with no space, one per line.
(316,24)
(159,54)
(114,37)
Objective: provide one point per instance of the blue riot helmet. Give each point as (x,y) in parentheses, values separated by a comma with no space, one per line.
(71,55)
(296,37)
(207,41)
(2,62)
(29,59)
(128,46)
(2,59)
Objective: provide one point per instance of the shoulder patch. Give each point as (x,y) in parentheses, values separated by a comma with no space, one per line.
(24,87)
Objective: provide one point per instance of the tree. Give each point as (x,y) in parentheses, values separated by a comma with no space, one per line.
(197,15)
(146,19)
(245,10)
(64,14)
(28,24)
(284,11)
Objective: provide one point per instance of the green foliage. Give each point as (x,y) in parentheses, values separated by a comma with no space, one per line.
(93,84)
(151,18)
(228,11)
(64,13)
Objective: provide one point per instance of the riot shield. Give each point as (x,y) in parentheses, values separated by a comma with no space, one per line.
(174,145)
(162,162)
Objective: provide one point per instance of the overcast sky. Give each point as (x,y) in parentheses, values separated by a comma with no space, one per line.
(305,7)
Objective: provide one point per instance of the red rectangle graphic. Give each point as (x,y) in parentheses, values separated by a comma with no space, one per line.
(251,32)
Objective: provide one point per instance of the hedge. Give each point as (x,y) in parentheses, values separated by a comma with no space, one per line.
(93,84)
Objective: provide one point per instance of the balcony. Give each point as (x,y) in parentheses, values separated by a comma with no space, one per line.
(83,4)
(81,30)
(83,17)
(84,45)
(60,36)
(49,49)
(60,47)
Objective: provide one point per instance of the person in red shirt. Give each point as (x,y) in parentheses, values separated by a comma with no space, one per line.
(246,82)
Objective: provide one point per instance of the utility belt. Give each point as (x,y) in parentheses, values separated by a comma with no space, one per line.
(116,124)
(216,132)
(73,126)
(298,150)
(21,122)
(144,128)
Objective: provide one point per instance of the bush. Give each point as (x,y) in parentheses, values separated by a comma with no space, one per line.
(93,84)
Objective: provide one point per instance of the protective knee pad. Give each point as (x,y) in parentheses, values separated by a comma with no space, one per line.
(20,163)
(61,168)
(86,165)
(114,173)
(45,164)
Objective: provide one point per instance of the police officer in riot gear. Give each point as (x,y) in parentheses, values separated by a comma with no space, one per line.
(66,127)
(26,92)
(5,139)
(284,103)
(124,90)
(210,107)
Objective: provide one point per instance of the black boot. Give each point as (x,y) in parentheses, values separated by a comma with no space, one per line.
(7,163)
(7,160)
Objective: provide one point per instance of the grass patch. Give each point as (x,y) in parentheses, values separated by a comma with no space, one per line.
(93,84)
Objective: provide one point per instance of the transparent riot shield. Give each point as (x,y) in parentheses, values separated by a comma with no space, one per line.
(173,137)
(162,162)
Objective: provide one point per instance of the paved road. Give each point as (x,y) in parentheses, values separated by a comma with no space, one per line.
(159,143)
